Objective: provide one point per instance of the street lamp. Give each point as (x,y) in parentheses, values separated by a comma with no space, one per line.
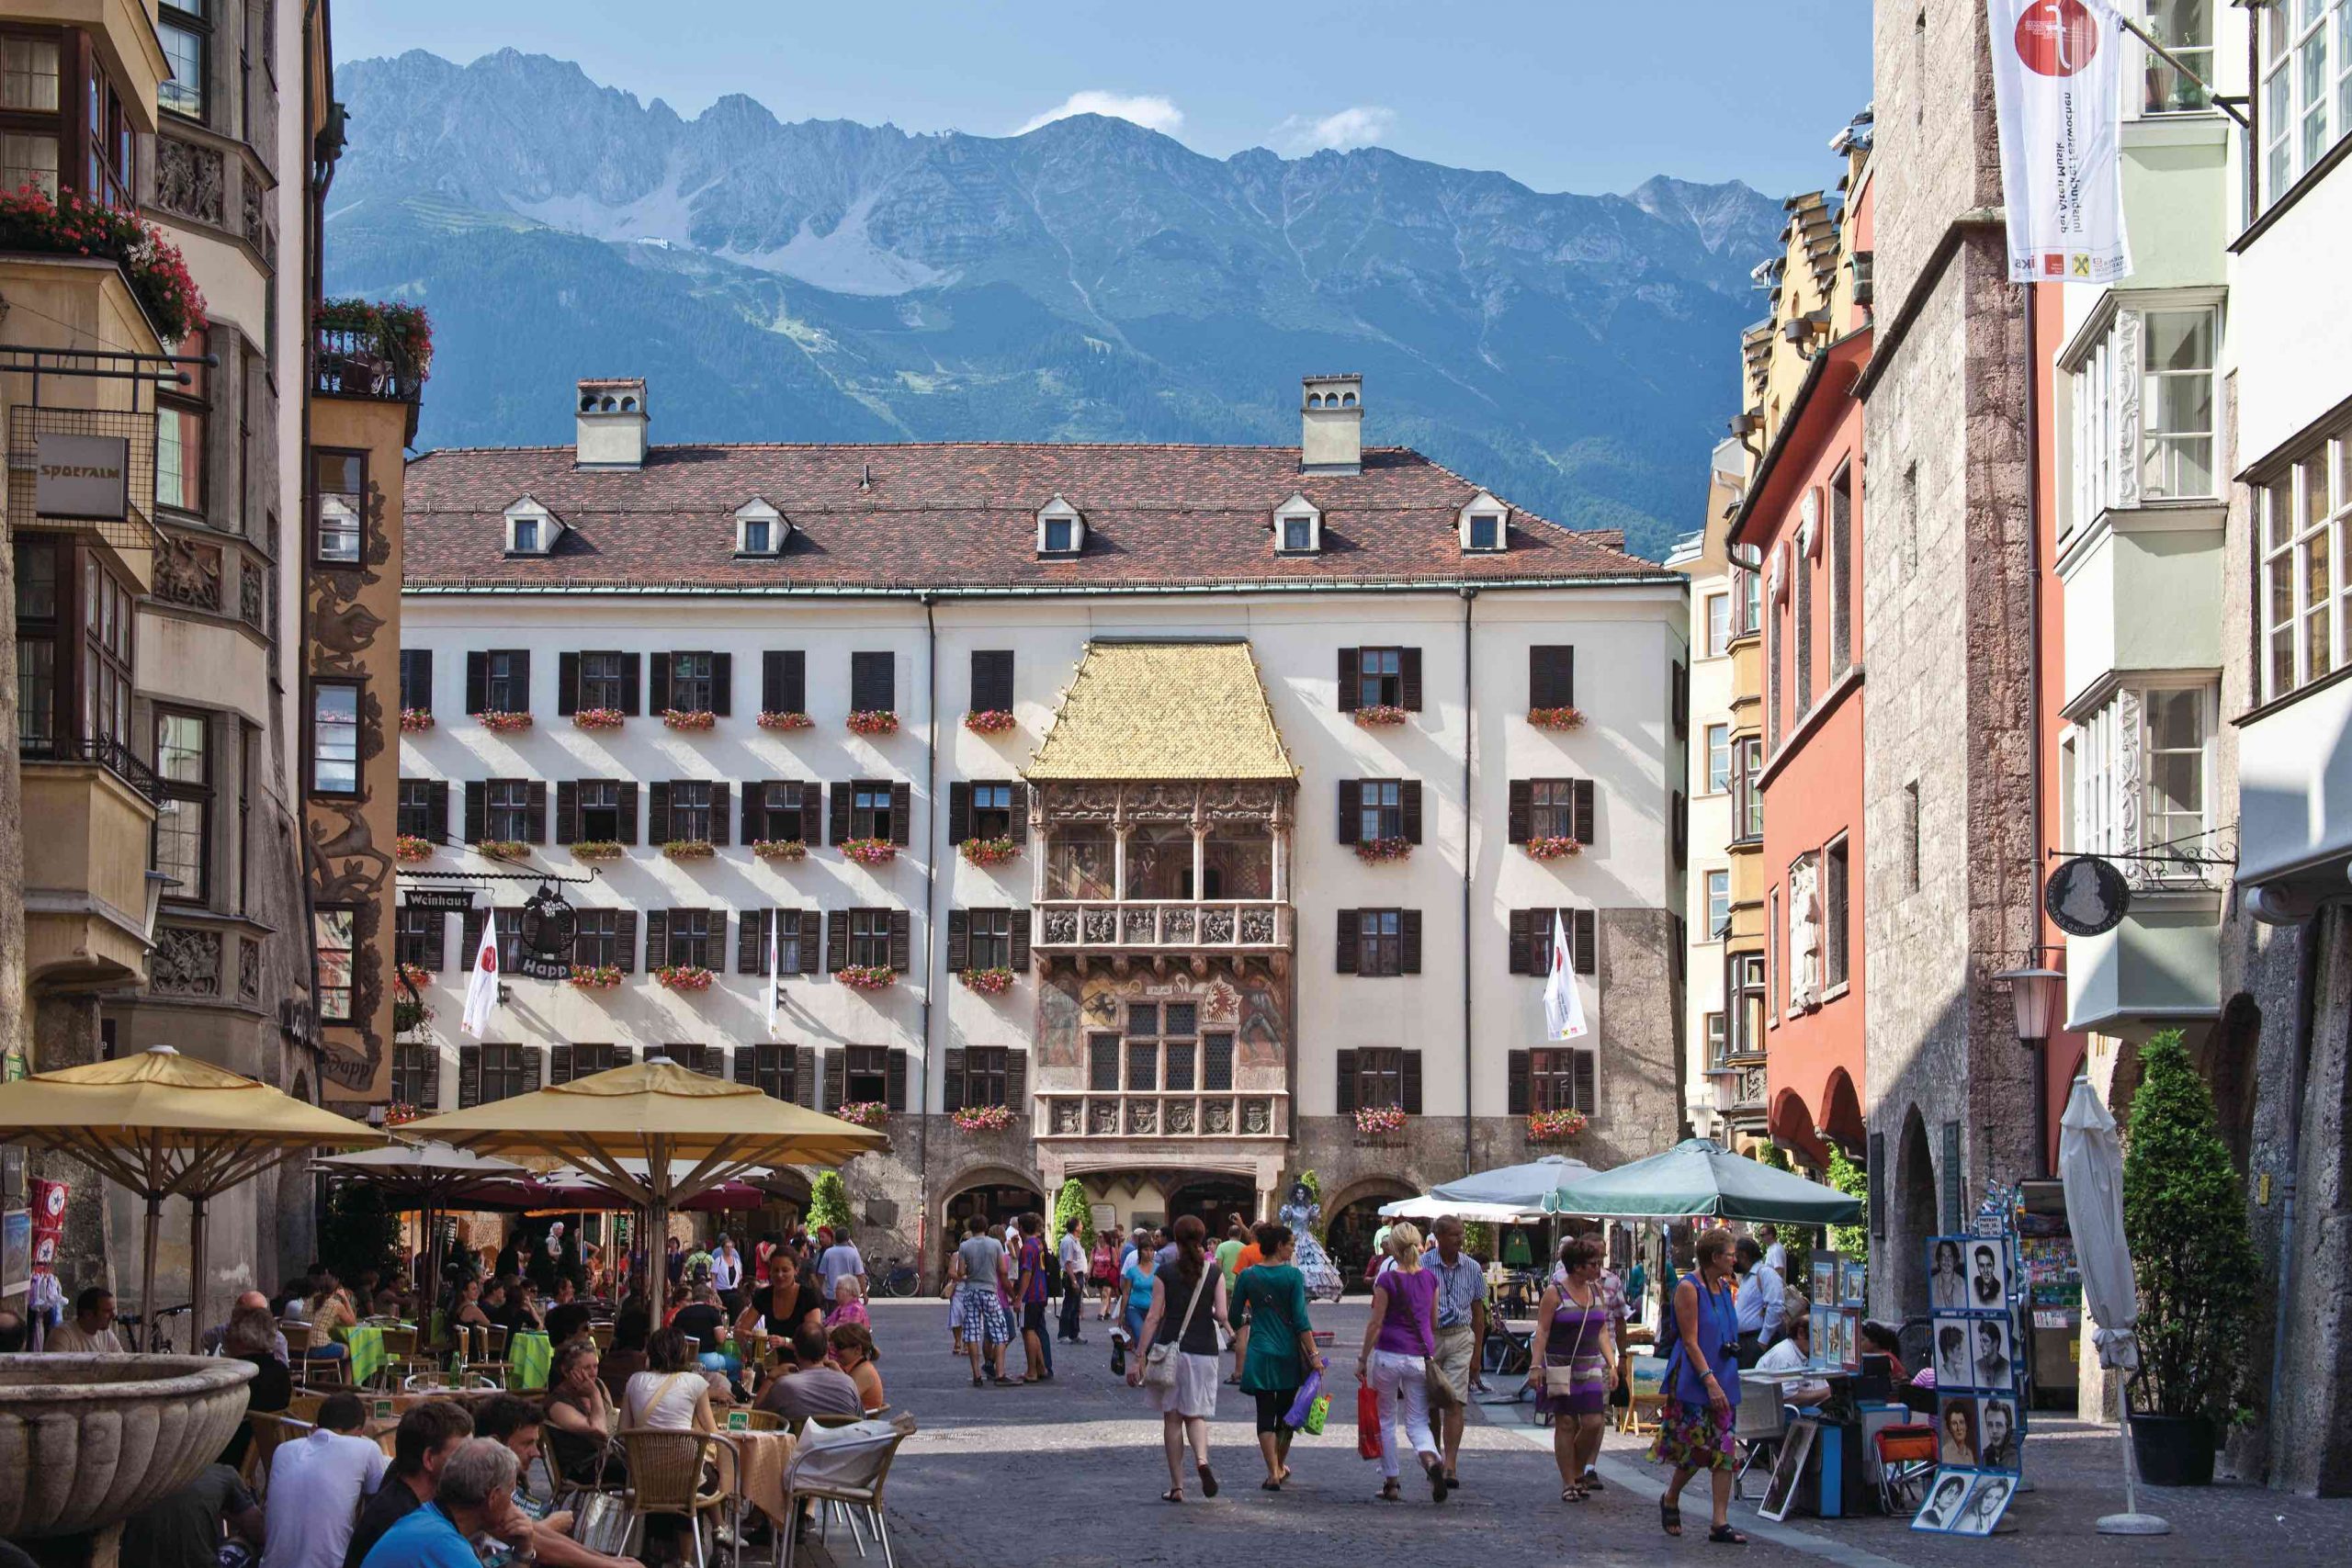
(2036,995)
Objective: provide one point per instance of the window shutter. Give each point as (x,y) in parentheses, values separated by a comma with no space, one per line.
(1348,929)
(418,675)
(804,1075)
(627,799)
(1020,942)
(1408,678)
(468,1077)
(469,937)
(1551,676)
(477,689)
(836,1079)
(559,1064)
(1016,1082)
(657,938)
(632,687)
(1410,793)
(1351,810)
(722,683)
(1346,1085)
(959,941)
(959,811)
(836,940)
(435,933)
(660,682)
(895,1080)
(1583,812)
(1521,814)
(872,677)
(657,812)
(1682,829)
(1580,1081)
(520,688)
(1522,922)
(567,684)
(436,807)
(837,826)
(535,796)
(477,810)
(714,943)
(625,940)
(784,680)
(721,807)
(1409,942)
(992,680)
(751,941)
(1019,815)
(755,811)
(1582,941)
(812,814)
(901,808)
(1680,679)
(1411,1076)
(901,941)
(1351,679)
(567,810)
(1519,1070)
(951,1098)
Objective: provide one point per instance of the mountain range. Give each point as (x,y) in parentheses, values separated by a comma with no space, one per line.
(825,281)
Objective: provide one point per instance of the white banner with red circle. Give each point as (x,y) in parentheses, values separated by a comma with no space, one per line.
(2057,82)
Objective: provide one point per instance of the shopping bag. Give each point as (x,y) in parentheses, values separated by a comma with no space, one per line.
(1367,1421)
(1305,1401)
(1316,1414)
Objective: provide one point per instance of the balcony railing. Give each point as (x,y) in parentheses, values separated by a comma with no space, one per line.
(1210,925)
(361,363)
(108,753)
(1177,1113)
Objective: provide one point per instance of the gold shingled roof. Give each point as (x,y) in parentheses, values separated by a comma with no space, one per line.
(1164,710)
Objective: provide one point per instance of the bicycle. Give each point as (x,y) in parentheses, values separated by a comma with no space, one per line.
(897,1278)
(161,1336)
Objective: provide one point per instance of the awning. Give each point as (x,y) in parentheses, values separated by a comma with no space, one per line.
(1182,711)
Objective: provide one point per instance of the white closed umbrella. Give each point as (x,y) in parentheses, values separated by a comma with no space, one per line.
(2090,1164)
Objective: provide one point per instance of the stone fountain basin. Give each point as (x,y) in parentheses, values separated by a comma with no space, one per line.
(88,1440)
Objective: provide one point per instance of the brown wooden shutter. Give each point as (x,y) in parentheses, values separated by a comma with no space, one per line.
(837,824)
(1551,676)
(951,1098)
(1409,942)
(1351,679)
(992,680)
(625,940)
(1580,1081)
(419,662)
(959,941)
(632,687)
(804,1075)
(722,807)
(755,811)
(751,942)
(1682,829)
(1583,828)
(519,688)
(1582,941)
(468,1077)
(722,683)
(628,803)
(780,680)
(1520,1069)
(836,1079)
(812,814)
(559,1063)
(534,796)
(657,812)
(567,684)
(895,1080)
(714,943)
(1408,678)
(901,811)
(436,933)
(1346,1083)
(959,812)
(1681,680)
(1019,815)
(657,938)
(470,926)
(661,697)
(436,807)
(1522,922)
(901,941)
(477,689)
(477,810)
(1351,810)
(1411,1076)
(538,1060)
(1016,1082)
(836,940)
(1519,818)
(567,809)
(1020,942)
(1348,929)
(1409,792)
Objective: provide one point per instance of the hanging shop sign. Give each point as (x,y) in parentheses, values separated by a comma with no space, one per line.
(2086,897)
(546,928)
(86,478)
(441,900)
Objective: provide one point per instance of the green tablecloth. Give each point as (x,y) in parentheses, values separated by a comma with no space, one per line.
(528,1356)
(366,1344)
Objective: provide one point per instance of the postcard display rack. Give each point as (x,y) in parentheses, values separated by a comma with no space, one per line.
(2050,1281)
(1975,1286)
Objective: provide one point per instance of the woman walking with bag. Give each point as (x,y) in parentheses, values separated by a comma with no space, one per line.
(1574,1363)
(1397,1345)
(1703,1371)
(1181,1374)
(1282,1352)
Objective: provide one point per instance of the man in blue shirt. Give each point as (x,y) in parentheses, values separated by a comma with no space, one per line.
(476,1491)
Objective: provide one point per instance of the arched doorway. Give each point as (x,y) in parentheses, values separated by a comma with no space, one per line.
(1915,1176)
(998,1194)
(1213,1198)
(1350,1223)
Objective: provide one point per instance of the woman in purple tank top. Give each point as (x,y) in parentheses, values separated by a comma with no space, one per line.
(1573,1364)
(1397,1344)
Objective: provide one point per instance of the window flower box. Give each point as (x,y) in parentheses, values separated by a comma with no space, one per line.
(987,721)
(505,849)
(1554,848)
(1555,718)
(685,719)
(410,847)
(415,720)
(400,1113)
(863,1112)
(983,1118)
(1379,713)
(596,976)
(599,718)
(1556,1126)
(991,852)
(869,852)
(778,718)
(780,849)
(874,721)
(868,976)
(684,976)
(689,849)
(599,848)
(1379,1121)
(1378,850)
(988,982)
(503,723)
(415,975)
(73,224)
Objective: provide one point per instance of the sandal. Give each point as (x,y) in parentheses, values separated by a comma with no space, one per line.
(1436,1472)
(1269,1486)
(1174,1494)
(1724,1534)
(1571,1493)
(1389,1492)
(1208,1481)
(1669,1517)
(978,1382)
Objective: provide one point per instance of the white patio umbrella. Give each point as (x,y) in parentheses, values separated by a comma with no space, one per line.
(2090,1164)
(1432,1208)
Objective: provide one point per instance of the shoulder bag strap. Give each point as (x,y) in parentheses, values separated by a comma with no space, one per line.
(1194,1303)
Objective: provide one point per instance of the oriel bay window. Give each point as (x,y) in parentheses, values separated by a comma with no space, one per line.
(185,28)
(330,935)
(179,442)
(64,122)
(2144,410)
(2141,771)
(1379,1078)
(2306,73)
(183,821)
(2306,583)
(109,618)
(334,737)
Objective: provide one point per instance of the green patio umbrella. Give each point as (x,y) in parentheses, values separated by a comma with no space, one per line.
(1701,1177)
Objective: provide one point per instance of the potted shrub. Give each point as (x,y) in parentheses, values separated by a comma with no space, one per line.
(503,723)
(868,976)
(599,718)
(988,982)
(1555,719)
(2184,1211)
(599,848)
(1552,847)
(1377,713)
(1378,850)
(409,848)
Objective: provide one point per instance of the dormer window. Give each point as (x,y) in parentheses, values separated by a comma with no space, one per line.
(1298,527)
(526,536)
(531,529)
(1482,524)
(1061,530)
(759,529)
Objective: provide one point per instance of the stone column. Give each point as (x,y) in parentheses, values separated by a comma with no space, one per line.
(1119,861)
(1037,867)
(1200,861)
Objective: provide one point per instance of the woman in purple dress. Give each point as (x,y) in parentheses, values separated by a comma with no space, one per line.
(1573,1363)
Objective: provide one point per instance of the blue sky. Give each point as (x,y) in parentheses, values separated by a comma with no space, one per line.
(1572,94)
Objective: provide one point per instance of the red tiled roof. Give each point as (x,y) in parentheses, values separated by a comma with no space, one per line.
(964,515)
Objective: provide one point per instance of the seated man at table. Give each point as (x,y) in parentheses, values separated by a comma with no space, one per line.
(430,1432)
(316,1484)
(213,1337)
(1793,1353)
(475,1491)
(811,1387)
(517,1423)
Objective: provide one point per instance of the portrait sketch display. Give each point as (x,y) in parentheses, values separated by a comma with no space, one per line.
(1984,1506)
(1947,1274)
(1956,1430)
(1788,1469)
(1990,1347)
(1952,1341)
(1946,1496)
(1988,1274)
(1998,1438)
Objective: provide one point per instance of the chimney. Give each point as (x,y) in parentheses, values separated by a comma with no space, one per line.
(611,423)
(1330,439)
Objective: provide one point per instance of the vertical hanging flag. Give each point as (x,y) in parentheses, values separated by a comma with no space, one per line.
(775,975)
(1562,1008)
(481,989)
(2056,76)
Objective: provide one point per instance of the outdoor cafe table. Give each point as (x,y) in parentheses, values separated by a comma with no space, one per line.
(752,1467)
(366,1343)
(530,1357)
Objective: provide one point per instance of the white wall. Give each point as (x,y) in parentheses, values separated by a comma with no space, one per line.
(1711,829)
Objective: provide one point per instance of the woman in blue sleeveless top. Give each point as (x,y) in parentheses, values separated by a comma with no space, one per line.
(1695,1431)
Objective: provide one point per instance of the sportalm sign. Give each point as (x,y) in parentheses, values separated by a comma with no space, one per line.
(86,478)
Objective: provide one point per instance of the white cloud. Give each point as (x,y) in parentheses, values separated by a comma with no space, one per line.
(1148,110)
(1358,127)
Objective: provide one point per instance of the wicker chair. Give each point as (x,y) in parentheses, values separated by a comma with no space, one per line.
(304,1406)
(400,1341)
(665,1474)
(267,1431)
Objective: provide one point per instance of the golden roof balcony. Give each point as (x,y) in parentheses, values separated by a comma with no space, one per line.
(89,898)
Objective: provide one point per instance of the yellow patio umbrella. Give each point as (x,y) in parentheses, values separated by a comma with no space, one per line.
(166,1125)
(691,1131)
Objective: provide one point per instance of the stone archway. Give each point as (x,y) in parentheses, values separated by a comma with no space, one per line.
(1790,1123)
(1914,1218)
(1841,1113)
(997,1192)
(1351,1217)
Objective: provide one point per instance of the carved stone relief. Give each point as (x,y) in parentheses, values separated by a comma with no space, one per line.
(189,180)
(185,963)
(188,573)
